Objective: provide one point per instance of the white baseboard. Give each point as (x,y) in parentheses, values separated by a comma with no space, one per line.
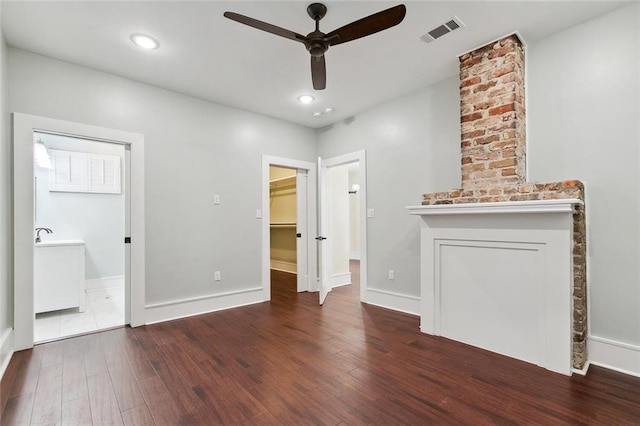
(391,300)
(166,311)
(618,356)
(583,371)
(281,265)
(6,349)
(354,255)
(95,284)
(340,279)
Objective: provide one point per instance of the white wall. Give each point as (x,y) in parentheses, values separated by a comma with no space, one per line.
(6,229)
(97,218)
(583,117)
(193,150)
(413,147)
(338,220)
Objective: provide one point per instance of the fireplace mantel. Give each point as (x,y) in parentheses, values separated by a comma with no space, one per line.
(500,276)
(532,206)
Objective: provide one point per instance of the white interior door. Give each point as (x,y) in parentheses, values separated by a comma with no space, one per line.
(127,234)
(302,235)
(323,279)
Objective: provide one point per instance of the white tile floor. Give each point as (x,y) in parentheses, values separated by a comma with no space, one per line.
(104,309)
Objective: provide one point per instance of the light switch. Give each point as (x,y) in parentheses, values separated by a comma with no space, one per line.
(216,199)
(371,213)
(258,214)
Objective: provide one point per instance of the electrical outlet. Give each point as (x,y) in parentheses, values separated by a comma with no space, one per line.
(217,276)
(216,199)
(371,213)
(392,274)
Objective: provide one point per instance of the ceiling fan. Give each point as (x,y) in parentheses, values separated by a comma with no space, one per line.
(317,42)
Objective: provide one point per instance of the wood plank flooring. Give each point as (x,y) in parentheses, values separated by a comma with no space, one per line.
(292,362)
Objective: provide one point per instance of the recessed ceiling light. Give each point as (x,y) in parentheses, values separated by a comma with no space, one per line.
(328,110)
(305,99)
(317,114)
(144,41)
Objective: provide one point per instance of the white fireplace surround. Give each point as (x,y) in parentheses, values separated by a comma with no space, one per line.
(499,276)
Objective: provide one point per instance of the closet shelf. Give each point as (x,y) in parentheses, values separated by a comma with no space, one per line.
(283,182)
(283,225)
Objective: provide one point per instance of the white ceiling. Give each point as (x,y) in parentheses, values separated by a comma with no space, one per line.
(205,55)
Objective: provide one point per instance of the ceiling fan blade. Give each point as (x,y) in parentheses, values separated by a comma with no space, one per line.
(318,72)
(265,27)
(367,26)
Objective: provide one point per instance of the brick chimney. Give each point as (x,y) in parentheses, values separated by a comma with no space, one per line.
(492,115)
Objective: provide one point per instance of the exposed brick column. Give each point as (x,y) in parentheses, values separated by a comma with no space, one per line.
(493,115)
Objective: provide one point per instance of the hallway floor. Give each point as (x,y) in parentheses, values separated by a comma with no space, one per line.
(104,309)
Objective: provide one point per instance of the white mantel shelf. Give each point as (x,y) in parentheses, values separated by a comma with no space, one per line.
(531,206)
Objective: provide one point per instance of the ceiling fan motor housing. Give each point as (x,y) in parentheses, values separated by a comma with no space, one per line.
(316,45)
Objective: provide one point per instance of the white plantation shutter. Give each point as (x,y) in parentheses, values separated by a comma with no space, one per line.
(82,172)
(104,172)
(68,171)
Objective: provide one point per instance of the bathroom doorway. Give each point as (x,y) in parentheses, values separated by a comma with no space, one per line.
(24,126)
(79,220)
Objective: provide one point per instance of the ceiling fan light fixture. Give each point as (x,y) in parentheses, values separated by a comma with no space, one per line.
(144,41)
(306,99)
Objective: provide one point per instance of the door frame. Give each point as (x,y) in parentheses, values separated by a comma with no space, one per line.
(361,158)
(24,125)
(310,168)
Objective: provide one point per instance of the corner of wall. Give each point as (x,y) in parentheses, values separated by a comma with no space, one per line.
(6,228)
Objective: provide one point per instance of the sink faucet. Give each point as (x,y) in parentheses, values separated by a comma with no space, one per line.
(38,230)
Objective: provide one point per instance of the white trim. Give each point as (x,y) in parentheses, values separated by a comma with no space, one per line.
(531,206)
(23,127)
(183,308)
(338,280)
(95,284)
(394,301)
(6,350)
(268,160)
(584,370)
(282,266)
(614,355)
(354,255)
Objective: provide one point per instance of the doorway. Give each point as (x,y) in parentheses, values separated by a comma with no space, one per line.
(79,216)
(24,127)
(342,224)
(283,219)
(288,214)
(316,202)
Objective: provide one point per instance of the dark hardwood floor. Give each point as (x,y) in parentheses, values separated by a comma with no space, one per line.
(292,362)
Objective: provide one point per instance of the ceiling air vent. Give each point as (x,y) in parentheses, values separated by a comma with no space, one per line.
(443,29)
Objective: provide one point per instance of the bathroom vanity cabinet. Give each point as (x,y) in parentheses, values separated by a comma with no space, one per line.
(59,275)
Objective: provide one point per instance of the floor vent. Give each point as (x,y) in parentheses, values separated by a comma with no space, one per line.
(443,29)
